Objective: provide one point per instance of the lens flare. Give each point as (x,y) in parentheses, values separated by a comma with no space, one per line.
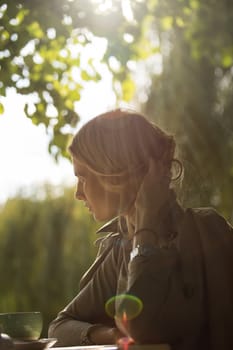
(124,343)
(124,306)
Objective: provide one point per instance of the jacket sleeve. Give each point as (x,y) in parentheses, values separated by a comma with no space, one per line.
(216,236)
(169,284)
(88,307)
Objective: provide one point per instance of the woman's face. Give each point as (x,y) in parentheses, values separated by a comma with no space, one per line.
(102,203)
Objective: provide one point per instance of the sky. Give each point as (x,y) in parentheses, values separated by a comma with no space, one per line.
(25,162)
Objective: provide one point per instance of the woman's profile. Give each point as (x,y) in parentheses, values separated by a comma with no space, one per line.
(163,273)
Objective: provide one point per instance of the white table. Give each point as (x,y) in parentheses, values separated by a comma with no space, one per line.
(115,347)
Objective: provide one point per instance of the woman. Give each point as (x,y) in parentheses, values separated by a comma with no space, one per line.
(177,263)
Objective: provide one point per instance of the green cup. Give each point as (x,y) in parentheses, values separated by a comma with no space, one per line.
(22,325)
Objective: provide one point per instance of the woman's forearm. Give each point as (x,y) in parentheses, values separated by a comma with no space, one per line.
(67,331)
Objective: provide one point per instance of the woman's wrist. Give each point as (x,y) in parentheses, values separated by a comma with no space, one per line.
(100,334)
(147,218)
(152,220)
(153,216)
(85,336)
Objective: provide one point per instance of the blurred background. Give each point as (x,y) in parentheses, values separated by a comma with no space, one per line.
(65,61)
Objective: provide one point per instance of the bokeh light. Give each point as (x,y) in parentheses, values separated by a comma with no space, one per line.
(123,305)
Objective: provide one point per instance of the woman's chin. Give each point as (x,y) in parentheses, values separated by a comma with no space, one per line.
(97,217)
(102,218)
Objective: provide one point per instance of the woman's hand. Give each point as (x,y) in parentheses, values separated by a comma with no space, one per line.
(152,195)
(105,335)
(125,336)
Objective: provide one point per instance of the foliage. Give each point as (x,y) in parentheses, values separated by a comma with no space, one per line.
(45,49)
(48,52)
(192,97)
(45,247)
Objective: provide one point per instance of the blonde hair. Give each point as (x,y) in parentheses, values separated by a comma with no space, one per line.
(119,144)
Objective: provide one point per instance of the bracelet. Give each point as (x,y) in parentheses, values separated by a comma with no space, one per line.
(84,337)
(145,229)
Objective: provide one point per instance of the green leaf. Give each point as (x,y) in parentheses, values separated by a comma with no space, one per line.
(1,108)
(187,11)
(5,35)
(194,4)
(128,89)
(227,61)
(69,103)
(35,30)
(180,22)
(75,94)
(152,4)
(227,57)
(167,22)
(85,76)
(21,14)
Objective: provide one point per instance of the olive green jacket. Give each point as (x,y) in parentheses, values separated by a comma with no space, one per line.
(186,286)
